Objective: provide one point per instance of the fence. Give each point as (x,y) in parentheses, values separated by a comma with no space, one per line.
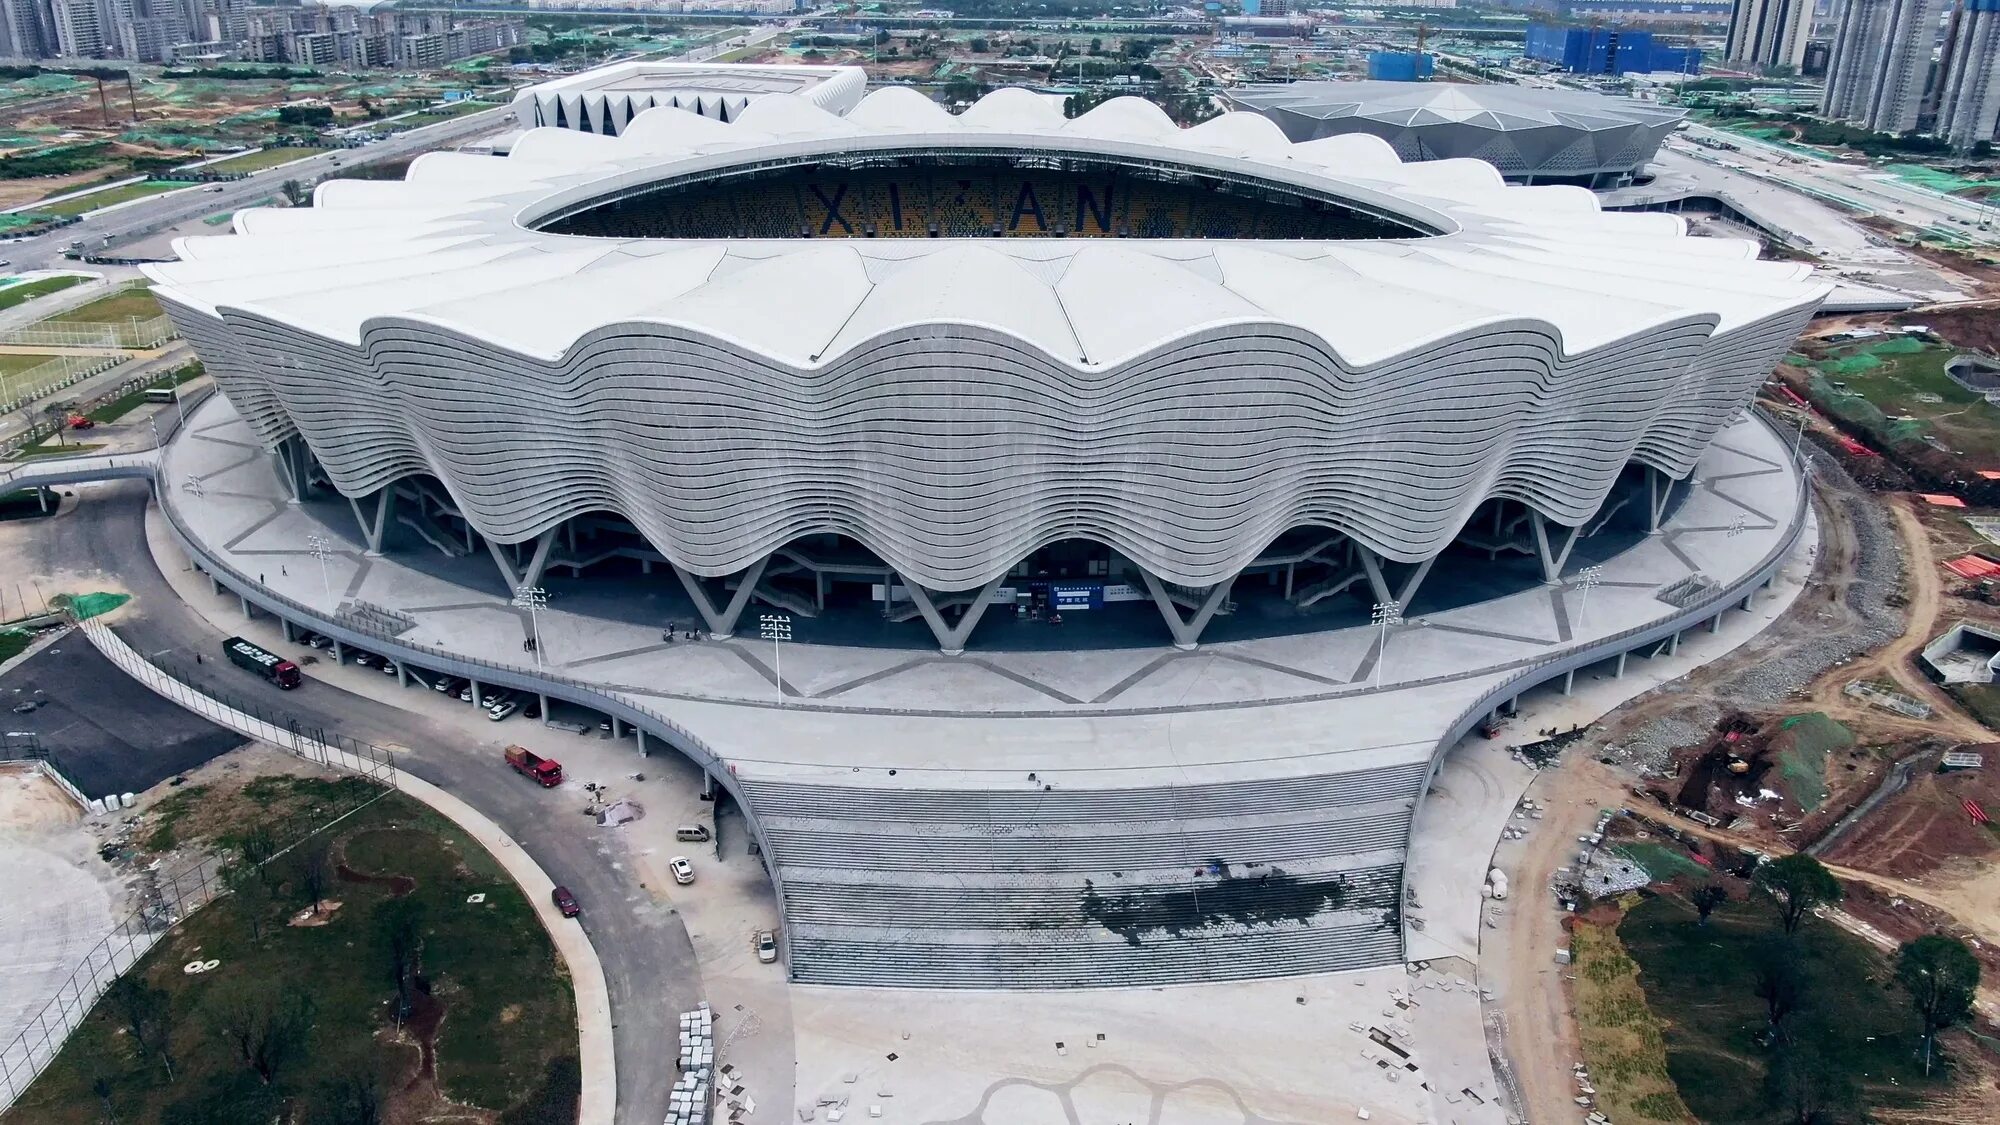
(50,376)
(166,899)
(131,333)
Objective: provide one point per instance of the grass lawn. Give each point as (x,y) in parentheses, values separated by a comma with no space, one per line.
(1622,1040)
(13,643)
(115,309)
(109,196)
(260,160)
(1905,376)
(491,1027)
(125,404)
(29,290)
(1701,982)
(23,505)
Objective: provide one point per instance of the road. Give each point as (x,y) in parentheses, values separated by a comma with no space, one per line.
(1863,184)
(649,962)
(147,215)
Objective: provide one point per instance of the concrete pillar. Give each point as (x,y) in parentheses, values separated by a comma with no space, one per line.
(545,706)
(1514,705)
(1569,681)
(1674,645)
(478,693)
(42,498)
(645,566)
(214,587)
(245,603)
(707,785)
(1621,664)
(402,673)
(819,591)
(617,727)
(1715,625)
(641,733)
(285,623)
(339,653)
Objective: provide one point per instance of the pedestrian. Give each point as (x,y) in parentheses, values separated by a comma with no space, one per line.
(260,578)
(283,573)
(197,658)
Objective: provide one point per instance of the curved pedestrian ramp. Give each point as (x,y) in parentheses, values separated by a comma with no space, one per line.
(1036,888)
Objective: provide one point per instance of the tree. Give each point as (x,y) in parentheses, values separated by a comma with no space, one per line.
(253,896)
(148,1016)
(1706,898)
(351,1097)
(1780,982)
(1942,976)
(312,865)
(1805,1084)
(296,193)
(400,924)
(266,1028)
(57,414)
(979,46)
(1797,883)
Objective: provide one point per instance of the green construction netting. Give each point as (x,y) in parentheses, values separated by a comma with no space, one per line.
(86,606)
(1802,745)
(1934,178)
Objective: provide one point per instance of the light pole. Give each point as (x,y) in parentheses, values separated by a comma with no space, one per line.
(1385,615)
(776,627)
(320,548)
(532,598)
(1586,580)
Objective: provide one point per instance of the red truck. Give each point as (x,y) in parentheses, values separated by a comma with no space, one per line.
(547,772)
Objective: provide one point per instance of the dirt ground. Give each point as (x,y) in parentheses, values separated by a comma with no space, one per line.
(31,803)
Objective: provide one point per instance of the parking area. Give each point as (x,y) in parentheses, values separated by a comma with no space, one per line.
(108,734)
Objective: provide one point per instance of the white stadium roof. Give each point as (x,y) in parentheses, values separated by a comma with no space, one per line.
(448,245)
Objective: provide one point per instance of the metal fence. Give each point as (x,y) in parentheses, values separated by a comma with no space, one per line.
(129,333)
(167,898)
(48,377)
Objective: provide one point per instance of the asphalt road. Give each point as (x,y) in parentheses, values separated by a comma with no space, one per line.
(649,963)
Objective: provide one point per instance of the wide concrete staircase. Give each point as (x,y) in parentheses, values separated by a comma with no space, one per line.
(1035,888)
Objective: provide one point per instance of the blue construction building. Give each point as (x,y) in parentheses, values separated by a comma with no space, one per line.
(1608,50)
(1399,66)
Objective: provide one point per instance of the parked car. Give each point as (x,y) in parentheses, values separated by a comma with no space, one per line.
(314,640)
(532,709)
(366,659)
(80,422)
(767,946)
(453,685)
(566,902)
(682,869)
(504,710)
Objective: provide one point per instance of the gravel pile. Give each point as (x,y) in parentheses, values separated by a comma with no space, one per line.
(1814,635)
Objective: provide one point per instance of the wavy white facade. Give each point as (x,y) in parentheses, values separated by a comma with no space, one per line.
(605,99)
(955,403)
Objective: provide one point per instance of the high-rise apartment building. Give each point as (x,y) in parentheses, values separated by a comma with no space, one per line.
(1968,96)
(1881,62)
(1769,32)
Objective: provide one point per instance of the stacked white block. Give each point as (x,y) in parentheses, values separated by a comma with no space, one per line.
(693,1095)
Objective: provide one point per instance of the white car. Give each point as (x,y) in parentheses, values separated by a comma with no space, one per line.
(767,946)
(682,869)
(504,711)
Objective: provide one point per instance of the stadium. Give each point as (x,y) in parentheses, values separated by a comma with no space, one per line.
(1532,134)
(790,353)
(1067,397)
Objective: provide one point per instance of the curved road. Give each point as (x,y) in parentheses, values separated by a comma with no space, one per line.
(649,963)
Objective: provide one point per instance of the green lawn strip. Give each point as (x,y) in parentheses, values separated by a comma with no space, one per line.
(23,505)
(507,1040)
(115,309)
(44,449)
(126,403)
(13,643)
(262,159)
(1701,982)
(97,199)
(41,287)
